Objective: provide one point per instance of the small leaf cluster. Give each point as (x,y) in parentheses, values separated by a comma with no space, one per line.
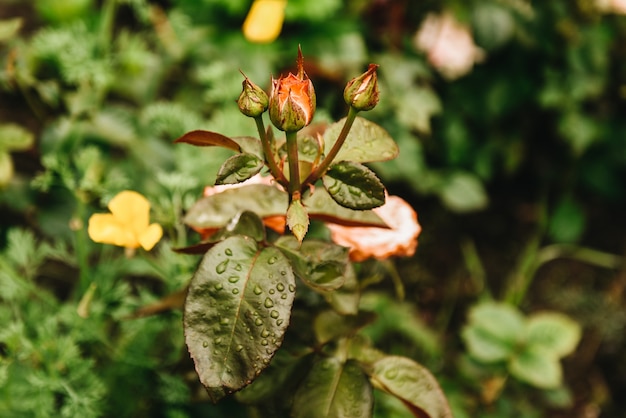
(530,347)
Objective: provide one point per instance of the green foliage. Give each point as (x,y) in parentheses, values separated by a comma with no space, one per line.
(92,95)
(234,327)
(531,347)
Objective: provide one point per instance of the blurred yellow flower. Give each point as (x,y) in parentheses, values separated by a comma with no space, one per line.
(264,20)
(128,224)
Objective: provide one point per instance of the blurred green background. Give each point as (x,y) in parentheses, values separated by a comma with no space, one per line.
(511,122)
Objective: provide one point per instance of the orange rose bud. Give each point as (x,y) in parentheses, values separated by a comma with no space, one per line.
(362,92)
(253,101)
(292,100)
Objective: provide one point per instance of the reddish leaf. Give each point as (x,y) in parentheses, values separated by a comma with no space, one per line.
(208,139)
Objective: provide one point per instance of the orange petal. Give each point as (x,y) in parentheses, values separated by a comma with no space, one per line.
(264,21)
(150,236)
(132,210)
(105,228)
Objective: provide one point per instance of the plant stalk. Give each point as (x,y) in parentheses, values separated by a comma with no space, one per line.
(321,169)
(294,167)
(269,152)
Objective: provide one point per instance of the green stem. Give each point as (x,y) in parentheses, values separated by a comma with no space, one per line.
(539,257)
(81,247)
(106,24)
(321,169)
(586,255)
(269,153)
(294,168)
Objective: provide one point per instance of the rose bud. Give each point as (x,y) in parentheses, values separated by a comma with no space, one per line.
(253,101)
(292,100)
(362,92)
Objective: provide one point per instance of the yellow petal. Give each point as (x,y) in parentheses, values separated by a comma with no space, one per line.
(264,20)
(105,228)
(150,236)
(132,210)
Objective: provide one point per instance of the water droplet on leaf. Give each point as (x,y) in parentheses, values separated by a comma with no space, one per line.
(268,303)
(221,267)
(274,314)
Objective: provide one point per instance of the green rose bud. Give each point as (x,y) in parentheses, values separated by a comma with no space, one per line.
(253,101)
(362,92)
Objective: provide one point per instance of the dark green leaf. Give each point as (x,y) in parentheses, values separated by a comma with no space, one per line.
(345,300)
(236,313)
(334,389)
(329,325)
(238,168)
(319,264)
(366,142)
(216,211)
(277,379)
(567,222)
(250,145)
(244,223)
(354,186)
(322,207)
(413,384)
(206,139)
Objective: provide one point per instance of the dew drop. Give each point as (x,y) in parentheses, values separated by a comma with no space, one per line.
(272,291)
(238,267)
(218,340)
(205,344)
(292,288)
(283,273)
(279,322)
(280,287)
(228,252)
(221,267)
(271,260)
(224,321)
(233,279)
(257,290)
(235,291)
(264,342)
(239,347)
(219,286)
(265,333)
(274,314)
(283,296)
(268,303)
(258,322)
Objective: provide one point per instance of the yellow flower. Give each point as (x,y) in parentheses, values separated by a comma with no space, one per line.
(128,224)
(264,20)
